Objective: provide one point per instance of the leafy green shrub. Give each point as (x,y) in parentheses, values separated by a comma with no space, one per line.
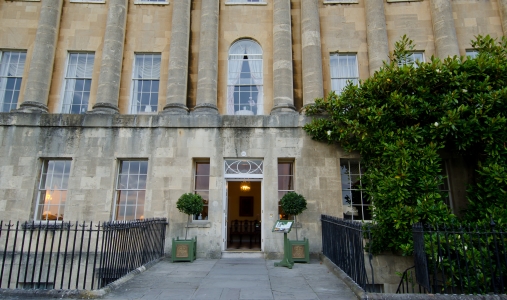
(403,117)
(466,259)
(293,203)
(190,204)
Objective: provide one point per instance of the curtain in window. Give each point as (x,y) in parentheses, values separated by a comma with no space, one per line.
(146,68)
(343,69)
(236,55)
(256,73)
(77,90)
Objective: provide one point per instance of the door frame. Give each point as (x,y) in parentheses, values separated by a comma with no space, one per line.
(225,214)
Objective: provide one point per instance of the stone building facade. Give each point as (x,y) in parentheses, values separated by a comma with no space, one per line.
(112,109)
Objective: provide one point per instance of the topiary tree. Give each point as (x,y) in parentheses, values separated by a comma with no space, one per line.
(190,204)
(293,204)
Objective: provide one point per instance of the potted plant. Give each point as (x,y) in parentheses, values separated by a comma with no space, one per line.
(185,250)
(294,204)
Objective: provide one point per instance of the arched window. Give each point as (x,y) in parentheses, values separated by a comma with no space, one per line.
(244,84)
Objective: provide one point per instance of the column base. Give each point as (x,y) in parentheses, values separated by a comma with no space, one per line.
(175,109)
(283,108)
(104,108)
(32,107)
(205,109)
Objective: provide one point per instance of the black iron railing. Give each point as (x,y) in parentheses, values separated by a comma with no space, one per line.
(408,283)
(86,256)
(343,243)
(461,260)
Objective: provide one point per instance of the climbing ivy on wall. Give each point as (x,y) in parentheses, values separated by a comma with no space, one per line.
(402,118)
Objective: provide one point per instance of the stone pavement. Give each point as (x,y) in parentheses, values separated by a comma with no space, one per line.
(226,278)
(234,278)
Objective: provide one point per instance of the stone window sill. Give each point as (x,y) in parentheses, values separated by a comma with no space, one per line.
(150,2)
(199,224)
(388,1)
(341,1)
(88,1)
(246,3)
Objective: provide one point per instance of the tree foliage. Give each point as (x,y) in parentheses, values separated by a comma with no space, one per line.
(293,203)
(403,117)
(190,204)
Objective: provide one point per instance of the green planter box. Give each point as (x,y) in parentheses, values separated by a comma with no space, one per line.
(299,251)
(184,250)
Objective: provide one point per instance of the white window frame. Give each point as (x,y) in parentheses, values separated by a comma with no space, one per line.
(258,103)
(245,2)
(66,103)
(5,77)
(88,1)
(354,79)
(202,191)
(341,1)
(412,59)
(163,2)
(351,209)
(472,53)
(57,187)
(153,107)
(130,186)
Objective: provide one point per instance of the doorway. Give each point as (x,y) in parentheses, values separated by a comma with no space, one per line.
(244,216)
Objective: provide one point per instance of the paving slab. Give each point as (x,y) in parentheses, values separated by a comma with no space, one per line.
(233,279)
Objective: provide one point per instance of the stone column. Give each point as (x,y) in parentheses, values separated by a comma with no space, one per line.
(376,35)
(43,58)
(178,59)
(282,59)
(502,7)
(208,59)
(108,90)
(313,86)
(446,41)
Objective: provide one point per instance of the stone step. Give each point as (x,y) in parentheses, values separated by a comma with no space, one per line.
(242,254)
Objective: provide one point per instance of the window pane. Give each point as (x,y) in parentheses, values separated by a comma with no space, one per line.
(343,69)
(131,190)
(245,79)
(355,201)
(53,184)
(201,179)
(145,83)
(12,65)
(202,169)
(78,83)
(285,183)
(202,182)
